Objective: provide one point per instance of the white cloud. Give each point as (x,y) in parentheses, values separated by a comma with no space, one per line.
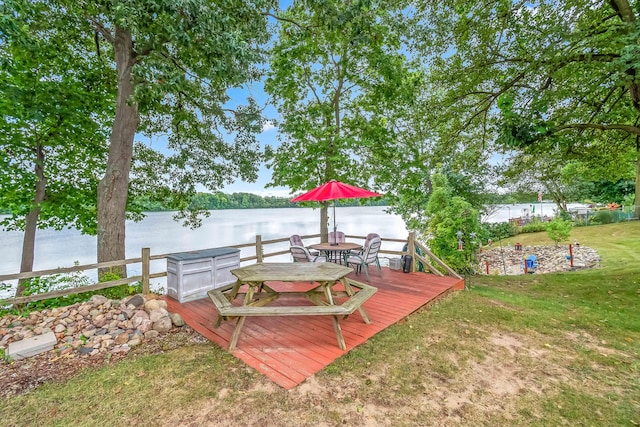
(268,125)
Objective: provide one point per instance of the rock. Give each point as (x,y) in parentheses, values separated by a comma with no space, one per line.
(145,326)
(163,324)
(46,321)
(99,321)
(176,319)
(151,335)
(97,300)
(100,326)
(158,314)
(66,350)
(107,343)
(509,261)
(141,314)
(120,349)
(154,304)
(85,350)
(122,339)
(134,342)
(136,301)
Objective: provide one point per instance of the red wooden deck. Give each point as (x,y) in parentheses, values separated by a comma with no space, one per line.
(290,349)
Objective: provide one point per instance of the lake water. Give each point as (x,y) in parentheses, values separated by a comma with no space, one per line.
(159,232)
(163,235)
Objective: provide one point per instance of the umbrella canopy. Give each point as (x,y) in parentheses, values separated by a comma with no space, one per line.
(334,190)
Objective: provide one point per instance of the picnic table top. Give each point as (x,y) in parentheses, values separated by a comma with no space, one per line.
(291,272)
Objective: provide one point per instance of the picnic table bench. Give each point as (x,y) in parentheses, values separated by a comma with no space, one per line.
(324,276)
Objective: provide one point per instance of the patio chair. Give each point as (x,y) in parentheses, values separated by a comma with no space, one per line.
(301,254)
(296,240)
(369,256)
(532,264)
(365,245)
(339,237)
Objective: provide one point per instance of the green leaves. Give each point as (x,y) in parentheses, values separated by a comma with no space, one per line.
(528,75)
(54,94)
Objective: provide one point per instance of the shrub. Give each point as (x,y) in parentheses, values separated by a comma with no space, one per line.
(602,217)
(499,230)
(534,227)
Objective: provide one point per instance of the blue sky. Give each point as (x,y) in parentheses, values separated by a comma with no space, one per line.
(269,136)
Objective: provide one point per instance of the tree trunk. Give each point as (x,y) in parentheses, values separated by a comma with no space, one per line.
(324,222)
(114,186)
(31,221)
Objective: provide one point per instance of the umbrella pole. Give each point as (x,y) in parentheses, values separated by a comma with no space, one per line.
(335,236)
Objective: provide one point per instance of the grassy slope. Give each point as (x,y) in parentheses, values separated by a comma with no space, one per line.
(556,349)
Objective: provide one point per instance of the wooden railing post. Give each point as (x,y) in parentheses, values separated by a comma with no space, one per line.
(146,268)
(259,248)
(411,247)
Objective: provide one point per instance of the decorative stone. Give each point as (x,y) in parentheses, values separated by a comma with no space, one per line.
(134,342)
(100,326)
(158,314)
(122,339)
(507,260)
(85,350)
(136,300)
(99,321)
(98,300)
(154,304)
(163,324)
(145,325)
(151,335)
(31,346)
(176,319)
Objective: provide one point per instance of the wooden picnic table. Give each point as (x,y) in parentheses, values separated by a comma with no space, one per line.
(323,277)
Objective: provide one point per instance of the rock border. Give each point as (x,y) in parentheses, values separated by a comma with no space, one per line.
(550,259)
(98,326)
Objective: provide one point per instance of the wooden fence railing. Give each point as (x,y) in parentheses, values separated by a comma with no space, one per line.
(259,256)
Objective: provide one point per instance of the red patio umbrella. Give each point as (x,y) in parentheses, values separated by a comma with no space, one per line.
(333,190)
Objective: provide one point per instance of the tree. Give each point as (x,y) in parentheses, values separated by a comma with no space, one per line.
(452,226)
(54,95)
(335,74)
(559,230)
(537,76)
(174,62)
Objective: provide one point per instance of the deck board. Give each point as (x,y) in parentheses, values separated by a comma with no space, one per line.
(288,350)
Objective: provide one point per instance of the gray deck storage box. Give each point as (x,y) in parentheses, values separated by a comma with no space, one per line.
(395,263)
(191,274)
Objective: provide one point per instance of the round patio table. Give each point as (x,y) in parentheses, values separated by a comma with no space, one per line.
(336,253)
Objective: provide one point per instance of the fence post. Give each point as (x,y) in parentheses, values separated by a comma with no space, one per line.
(571,255)
(411,247)
(259,248)
(146,258)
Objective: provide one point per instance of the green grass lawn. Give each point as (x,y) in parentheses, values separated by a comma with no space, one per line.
(541,350)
